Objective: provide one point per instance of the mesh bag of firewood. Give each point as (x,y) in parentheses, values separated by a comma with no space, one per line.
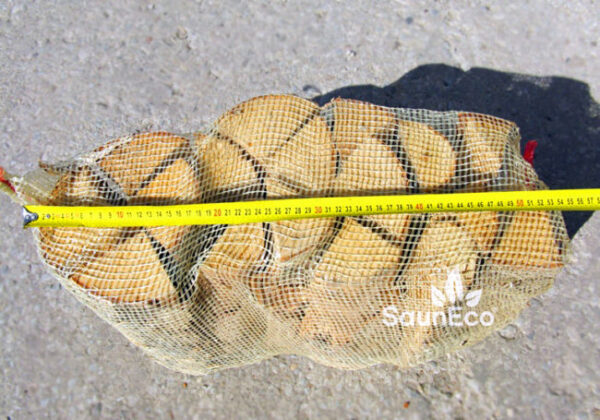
(348,292)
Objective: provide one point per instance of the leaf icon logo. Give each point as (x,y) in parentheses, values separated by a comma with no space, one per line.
(453,286)
(454,292)
(472,298)
(437,297)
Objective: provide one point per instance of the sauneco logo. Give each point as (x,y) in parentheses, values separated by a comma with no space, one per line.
(456,314)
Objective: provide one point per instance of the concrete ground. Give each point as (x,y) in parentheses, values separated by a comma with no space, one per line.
(75,74)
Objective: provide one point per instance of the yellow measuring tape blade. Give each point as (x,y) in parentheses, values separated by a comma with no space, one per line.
(302,208)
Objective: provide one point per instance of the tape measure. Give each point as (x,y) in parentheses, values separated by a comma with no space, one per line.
(302,208)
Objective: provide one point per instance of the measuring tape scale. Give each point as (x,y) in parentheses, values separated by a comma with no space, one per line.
(301,208)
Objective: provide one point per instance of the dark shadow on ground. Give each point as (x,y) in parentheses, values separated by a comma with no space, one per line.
(557,112)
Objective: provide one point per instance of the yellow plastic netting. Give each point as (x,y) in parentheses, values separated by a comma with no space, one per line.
(346,292)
